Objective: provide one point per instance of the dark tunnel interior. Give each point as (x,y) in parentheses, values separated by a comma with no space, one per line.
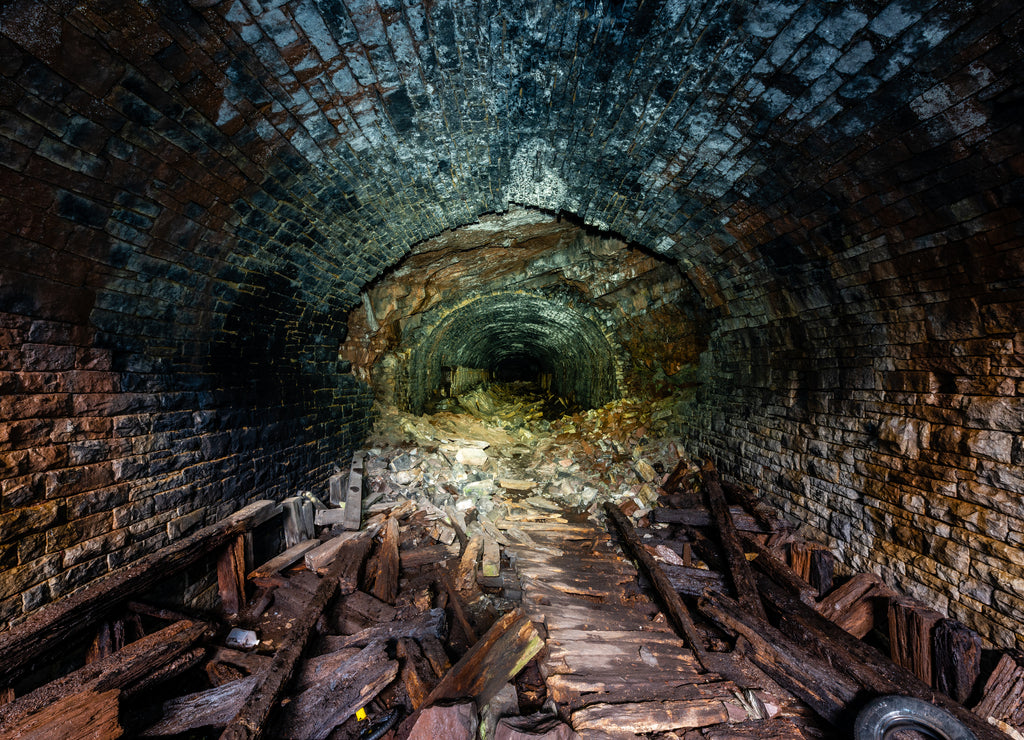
(232,227)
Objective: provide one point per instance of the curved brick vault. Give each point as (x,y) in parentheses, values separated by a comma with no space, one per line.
(194,194)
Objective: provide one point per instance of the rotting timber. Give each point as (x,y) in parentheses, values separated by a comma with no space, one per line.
(474,578)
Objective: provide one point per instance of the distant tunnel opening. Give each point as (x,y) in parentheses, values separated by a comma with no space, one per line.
(514,337)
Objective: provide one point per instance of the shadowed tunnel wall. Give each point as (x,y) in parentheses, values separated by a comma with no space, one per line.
(193,195)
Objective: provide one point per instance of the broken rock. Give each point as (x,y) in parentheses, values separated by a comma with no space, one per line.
(534,727)
(471,456)
(455,722)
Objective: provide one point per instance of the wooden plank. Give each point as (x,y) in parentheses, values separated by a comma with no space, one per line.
(701,517)
(119,671)
(574,691)
(314,713)
(210,708)
(465,576)
(651,716)
(957,659)
(693,581)
(779,572)
(430,623)
(286,559)
(353,554)
(855,604)
(735,556)
(354,494)
(251,718)
(329,517)
(831,693)
(385,581)
(455,601)
(674,605)
(320,558)
(87,714)
(418,677)
(434,652)
(494,659)
(56,623)
(677,477)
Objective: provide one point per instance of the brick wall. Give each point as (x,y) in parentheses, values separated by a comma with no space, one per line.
(193,195)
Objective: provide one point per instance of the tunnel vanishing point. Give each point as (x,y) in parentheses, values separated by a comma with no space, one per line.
(808,213)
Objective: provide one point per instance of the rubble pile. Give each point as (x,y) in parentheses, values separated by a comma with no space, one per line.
(499,450)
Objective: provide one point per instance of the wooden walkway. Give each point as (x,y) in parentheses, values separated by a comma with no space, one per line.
(613,665)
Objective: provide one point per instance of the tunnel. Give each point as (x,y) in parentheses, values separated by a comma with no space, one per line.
(231,225)
(511,333)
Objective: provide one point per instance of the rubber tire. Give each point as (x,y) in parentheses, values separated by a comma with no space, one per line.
(905,712)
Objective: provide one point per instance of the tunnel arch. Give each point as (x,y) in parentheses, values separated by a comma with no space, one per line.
(484,330)
(204,198)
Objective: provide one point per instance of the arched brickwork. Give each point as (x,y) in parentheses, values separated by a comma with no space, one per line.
(194,194)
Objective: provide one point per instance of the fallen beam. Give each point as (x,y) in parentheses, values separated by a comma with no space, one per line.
(500,654)
(674,605)
(834,695)
(54,624)
(735,555)
(252,717)
(873,670)
(120,672)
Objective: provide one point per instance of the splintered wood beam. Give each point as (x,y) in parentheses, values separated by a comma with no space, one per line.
(455,601)
(385,581)
(118,672)
(735,556)
(417,674)
(85,714)
(279,562)
(673,603)
(500,654)
(251,718)
(231,576)
(210,708)
(317,710)
(834,695)
(775,568)
(910,636)
(57,622)
(676,477)
(1003,696)
(957,658)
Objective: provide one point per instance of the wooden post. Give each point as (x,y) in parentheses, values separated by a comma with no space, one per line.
(385,582)
(354,494)
(336,485)
(231,576)
(957,659)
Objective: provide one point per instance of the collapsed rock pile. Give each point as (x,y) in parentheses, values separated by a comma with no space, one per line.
(500,451)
